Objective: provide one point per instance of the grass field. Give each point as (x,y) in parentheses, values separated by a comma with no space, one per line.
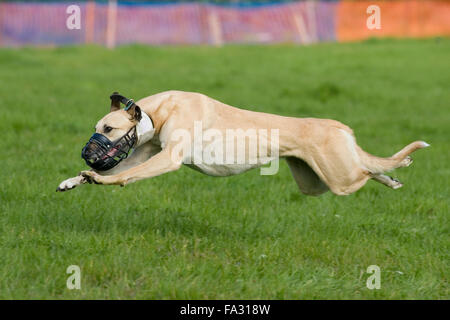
(186,235)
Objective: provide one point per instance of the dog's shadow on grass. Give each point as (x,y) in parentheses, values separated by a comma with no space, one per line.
(161,221)
(181,222)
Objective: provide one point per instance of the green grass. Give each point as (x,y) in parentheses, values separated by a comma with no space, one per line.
(186,235)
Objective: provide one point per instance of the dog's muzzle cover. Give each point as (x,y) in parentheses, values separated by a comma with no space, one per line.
(102,154)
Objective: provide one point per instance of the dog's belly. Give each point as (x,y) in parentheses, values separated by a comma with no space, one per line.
(222,170)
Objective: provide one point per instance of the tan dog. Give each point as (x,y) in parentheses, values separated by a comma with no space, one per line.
(322,154)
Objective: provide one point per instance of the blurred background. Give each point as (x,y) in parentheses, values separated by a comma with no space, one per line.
(113,23)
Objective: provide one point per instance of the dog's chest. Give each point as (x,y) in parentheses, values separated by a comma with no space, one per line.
(221,170)
(224,158)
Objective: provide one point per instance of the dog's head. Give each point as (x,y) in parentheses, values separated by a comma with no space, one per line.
(116,134)
(118,121)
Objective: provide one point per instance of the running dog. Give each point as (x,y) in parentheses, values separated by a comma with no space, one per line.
(143,140)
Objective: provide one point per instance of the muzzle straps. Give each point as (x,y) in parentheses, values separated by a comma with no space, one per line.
(127,102)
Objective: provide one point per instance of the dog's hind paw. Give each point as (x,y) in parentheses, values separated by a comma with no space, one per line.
(395,184)
(407,161)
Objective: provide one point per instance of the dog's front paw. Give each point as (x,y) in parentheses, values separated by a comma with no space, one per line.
(94,177)
(91,177)
(70,184)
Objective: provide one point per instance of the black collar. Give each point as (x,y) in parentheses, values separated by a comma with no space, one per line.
(116,97)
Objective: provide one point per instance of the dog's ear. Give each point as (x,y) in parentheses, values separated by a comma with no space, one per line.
(135,112)
(115,102)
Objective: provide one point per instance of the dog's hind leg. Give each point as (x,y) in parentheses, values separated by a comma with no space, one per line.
(307,180)
(387,181)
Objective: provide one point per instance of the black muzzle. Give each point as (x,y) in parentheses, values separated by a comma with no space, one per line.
(102,154)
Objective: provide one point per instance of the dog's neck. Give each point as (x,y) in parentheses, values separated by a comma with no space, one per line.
(145,129)
(158,112)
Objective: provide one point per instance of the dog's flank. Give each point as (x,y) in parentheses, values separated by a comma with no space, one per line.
(321,153)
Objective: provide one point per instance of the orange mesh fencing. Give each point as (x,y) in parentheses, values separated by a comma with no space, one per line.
(403,18)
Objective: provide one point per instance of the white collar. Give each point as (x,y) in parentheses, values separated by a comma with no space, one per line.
(144,129)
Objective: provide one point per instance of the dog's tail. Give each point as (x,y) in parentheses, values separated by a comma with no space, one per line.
(400,159)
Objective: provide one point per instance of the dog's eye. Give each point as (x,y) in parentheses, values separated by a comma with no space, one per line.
(108,129)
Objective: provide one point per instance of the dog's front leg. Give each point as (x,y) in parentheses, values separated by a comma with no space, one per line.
(161,163)
(71,183)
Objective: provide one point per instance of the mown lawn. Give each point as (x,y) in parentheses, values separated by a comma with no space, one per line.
(186,235)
